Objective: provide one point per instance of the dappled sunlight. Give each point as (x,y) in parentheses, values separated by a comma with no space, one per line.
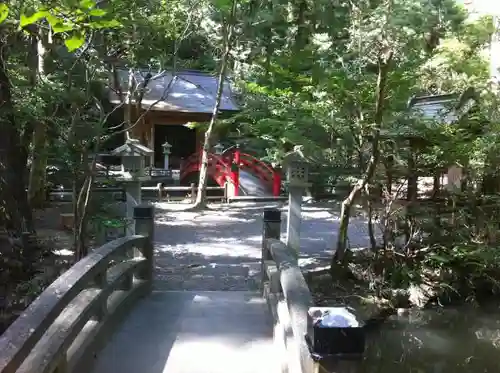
(216,248)
(234,353)
(219,246)
(489,335)
(64,252)
(318,214)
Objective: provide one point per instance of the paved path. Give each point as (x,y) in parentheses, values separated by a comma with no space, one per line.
(193,332)
(220,249)
(191,323)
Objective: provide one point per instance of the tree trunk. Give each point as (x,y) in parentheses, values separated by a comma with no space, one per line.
(202,183)
(371,228)
(301,22)
(270,45)
(411,191)
(339,256)
(14,209)
(38,174)
(81,249)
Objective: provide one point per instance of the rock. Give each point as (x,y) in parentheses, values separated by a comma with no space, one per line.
(370,306)
(419,295)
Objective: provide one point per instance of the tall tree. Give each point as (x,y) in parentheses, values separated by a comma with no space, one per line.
(228,16)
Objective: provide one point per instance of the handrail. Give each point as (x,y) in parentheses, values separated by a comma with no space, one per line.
(105,171)
(287,294)
(289,299)
(82,306)
(246,159)
(193,188)
(253,160)
(260,162)
(195,160)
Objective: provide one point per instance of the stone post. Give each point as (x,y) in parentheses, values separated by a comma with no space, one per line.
(144,216)
(133,193)
(271,229)
(297,177)
(294,217)
(194,191)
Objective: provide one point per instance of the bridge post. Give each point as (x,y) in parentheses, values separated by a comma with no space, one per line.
(271,229)
(235,170)
(144,225)
(193,192)
(159,186)
(276,181)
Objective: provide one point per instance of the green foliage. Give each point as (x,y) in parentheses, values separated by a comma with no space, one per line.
(74,42)
(306,74)
(4,12)
(322,95)
(72,20)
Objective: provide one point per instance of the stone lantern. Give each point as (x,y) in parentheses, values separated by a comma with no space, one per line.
(167,150)
(218,148)
(296,167)
(133,155)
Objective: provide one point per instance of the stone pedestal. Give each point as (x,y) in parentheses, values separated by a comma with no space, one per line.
(133,193)
(294,217)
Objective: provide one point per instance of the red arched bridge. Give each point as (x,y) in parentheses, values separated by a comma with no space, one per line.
(244,173)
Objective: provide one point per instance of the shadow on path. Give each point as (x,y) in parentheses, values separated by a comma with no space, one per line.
(220,248)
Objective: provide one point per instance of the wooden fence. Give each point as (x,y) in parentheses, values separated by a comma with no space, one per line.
(190,192)
(162,192)
(65,194)
(108,171)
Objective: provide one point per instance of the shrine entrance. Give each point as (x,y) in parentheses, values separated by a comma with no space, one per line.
(182,139)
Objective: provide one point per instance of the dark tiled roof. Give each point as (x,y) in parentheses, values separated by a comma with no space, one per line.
(447,108)
(191,92)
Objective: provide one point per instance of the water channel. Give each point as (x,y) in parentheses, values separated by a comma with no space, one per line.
(458,340)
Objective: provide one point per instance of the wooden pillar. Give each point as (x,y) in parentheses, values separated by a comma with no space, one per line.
(235,170)
(135,131)
(277,181)
(200,139)
(151,126)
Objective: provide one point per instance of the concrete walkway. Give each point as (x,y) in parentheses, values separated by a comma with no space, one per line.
(193,332)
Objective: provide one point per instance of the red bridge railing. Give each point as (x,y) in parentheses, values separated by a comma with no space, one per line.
(218,169)
(226,167)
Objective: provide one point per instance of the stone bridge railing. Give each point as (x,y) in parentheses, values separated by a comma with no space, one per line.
(302,347)
(64,328)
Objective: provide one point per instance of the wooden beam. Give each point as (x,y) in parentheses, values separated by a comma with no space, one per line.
(175,118)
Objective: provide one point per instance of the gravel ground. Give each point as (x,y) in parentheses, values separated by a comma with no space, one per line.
(220,248)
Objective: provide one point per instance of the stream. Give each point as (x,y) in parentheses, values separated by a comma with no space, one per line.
(458,340)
